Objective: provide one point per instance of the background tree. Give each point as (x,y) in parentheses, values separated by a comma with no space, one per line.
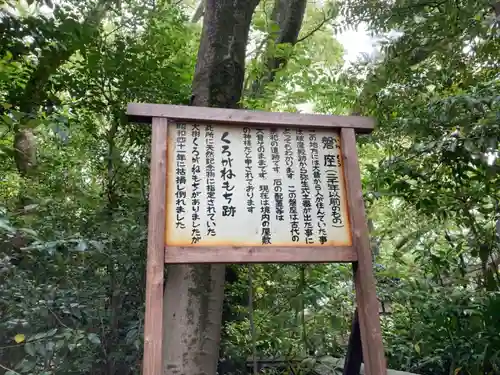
(192,325)
(72,284)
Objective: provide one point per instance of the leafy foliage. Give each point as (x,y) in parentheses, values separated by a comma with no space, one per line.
(434,92)
(73,259)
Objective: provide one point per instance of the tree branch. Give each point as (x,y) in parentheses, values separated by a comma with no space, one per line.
(319,26)
(57,318)
(52,59)
(200,10)
(9,369)
(288,15)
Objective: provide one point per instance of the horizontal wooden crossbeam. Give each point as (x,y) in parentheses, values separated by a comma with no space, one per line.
(261,254)
(144,113)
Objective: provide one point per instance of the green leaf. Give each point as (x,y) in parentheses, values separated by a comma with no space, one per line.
(4,224)
(50,346)
(52,332)
(29,231)
(81,246)
(37,336)
(274,27)
(60,344)
(30,349)
(19,338)
(94,339)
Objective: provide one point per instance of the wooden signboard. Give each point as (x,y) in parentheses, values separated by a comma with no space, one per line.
(238,186)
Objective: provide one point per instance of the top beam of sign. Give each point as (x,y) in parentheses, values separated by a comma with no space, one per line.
(139,112)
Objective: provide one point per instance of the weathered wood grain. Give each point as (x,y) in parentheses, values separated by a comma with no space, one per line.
(371,337)
(153,327)
(139,112)
(264,254)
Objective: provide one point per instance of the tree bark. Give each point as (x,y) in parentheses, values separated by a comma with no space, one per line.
(288,15)
(194,293)
(198,12)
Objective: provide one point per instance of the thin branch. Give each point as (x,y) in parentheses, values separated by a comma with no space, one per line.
(199,12)
(411,8)
(258,48)
(105,36)
(57,318)
(21,344)
(9,369)
(319,26)
(13,346)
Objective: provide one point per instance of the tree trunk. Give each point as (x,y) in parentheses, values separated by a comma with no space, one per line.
(194,293)
(288,15)
(36,93)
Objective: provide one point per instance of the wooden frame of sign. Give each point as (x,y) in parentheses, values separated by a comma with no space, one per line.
(257,187)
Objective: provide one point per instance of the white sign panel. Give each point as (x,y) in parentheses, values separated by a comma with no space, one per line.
(241,186)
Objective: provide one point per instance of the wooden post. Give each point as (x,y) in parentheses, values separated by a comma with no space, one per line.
(354,356)
(153,326)
(366,298)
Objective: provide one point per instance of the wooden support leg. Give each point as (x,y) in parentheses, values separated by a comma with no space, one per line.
(354,356)
(153,326)
(366,298)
